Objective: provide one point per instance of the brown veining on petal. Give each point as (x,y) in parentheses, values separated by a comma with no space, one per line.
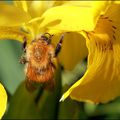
(110,20)
(114,27)
(103,34)
(114,37)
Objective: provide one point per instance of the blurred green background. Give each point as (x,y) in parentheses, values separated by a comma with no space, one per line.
(43,104)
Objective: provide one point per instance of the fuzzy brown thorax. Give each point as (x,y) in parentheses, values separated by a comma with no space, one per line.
(39,56)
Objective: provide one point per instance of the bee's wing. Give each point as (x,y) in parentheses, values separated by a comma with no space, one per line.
(49,85)
(30,85)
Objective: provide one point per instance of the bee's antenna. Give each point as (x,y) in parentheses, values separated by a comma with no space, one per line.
(50,36)
(47,39)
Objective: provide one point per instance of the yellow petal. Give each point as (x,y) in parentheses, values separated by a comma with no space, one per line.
(14,33)
(73,49)
(22,4)
(101,82)
(33,29)
(58,3)
(3,100)
(74,17)
(36,8)
(97,6)
(116,1)
(12,16)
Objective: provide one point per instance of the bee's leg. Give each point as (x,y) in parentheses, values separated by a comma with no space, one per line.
(23,58)
(59,45)
(24,44)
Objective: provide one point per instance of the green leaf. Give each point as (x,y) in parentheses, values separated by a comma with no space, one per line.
(22,105)
(11,71)
(68,109)
(40,104)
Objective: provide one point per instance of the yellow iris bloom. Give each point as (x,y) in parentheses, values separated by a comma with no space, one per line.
(21,19)
(3,100)
(99,23)
(18,20)
(13,25)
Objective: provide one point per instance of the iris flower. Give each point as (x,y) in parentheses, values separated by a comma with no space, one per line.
(3,100)
(14,18)
(19,19)
(99,23)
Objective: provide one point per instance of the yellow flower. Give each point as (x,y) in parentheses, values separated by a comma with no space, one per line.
(21,19)
(3,100)
(99,23)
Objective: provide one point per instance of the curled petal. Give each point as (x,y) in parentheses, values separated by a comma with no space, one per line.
(74,18)
(3,100)
(101,82)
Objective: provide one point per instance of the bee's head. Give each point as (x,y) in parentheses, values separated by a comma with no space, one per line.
(46,37)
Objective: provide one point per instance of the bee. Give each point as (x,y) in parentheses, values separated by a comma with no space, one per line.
(38,59)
